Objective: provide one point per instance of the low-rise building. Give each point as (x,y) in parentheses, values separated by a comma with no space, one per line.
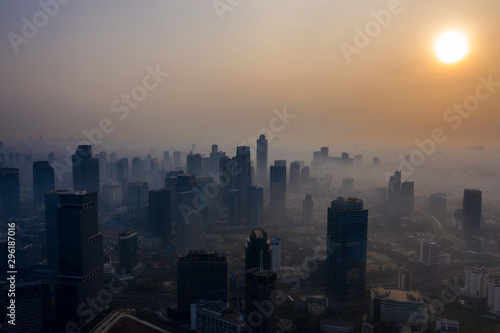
(397,305)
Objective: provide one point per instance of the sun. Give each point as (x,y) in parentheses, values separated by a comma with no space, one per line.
(451,46)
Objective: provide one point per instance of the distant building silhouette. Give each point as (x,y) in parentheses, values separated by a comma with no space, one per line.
(278,190)
(262,153)
(201,276)
(138,199)
(10,193)
(243,177)
(81,257)
(255,206)
(308,209)
(43,180)
(437,205)
(160,219)
(85,170)
(276,254)
(472,213)
(260,301)
(193,164)
(258,250)
(346,251)
(407,200)
(394,189)
(295,176)
(127,242)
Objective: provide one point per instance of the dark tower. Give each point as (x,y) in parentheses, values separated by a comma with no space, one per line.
(258,250)
(346,251)
(128,250)
(472,212)
(262,159)
(10,195)
(295,176)
(81,257)
(255,206)
(260,301)
(160,220)
(201,276)
(243,177)
(278,190)
(43,180)
(407,201)
(85,170)
(308,209)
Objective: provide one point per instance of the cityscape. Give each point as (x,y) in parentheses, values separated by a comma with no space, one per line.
(249,167)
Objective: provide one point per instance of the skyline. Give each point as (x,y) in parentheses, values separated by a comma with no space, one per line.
(226,76)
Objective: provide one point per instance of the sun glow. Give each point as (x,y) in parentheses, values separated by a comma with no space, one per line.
(451,46)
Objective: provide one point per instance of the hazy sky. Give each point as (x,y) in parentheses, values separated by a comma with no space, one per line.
(226,76)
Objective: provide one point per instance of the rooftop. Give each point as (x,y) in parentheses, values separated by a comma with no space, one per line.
(399,295)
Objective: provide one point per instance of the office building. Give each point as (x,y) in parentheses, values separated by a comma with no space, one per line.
(258,250)
(193,164)
(447,326)
(260,296)
(43,181)
(10,194)
(85,170)
(472,213)
(255,206)
(395,305)
(476,282)
(216,318)
(278,190)
(201,275)
(295,176)
(127,242)
(262,152)
(493,301)
(138,198)
(227,171)
(405,278)
(243,178)
(394,189)
(308,209)
(407,199)
(276,254)
(346,251)
(160,219)
(81,256)
(305,175)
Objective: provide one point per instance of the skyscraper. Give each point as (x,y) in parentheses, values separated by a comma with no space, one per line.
(160,219)
(193,164)
(278,190)
(85,170)
(128,250)
(346,251)
(437,205)
(43,180)
(243,177)
(295,176)
(10,195)
(276,254)
(80,256)
(304,175)
(255,206)
(227,170)
(394,189)
(137,200)
(407,201)
(308,209)
(177,159)
(262,159)
(201,275)
(472,212)
(258,250)
(260,301)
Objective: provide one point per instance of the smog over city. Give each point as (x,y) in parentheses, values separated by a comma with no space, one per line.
(249,166)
